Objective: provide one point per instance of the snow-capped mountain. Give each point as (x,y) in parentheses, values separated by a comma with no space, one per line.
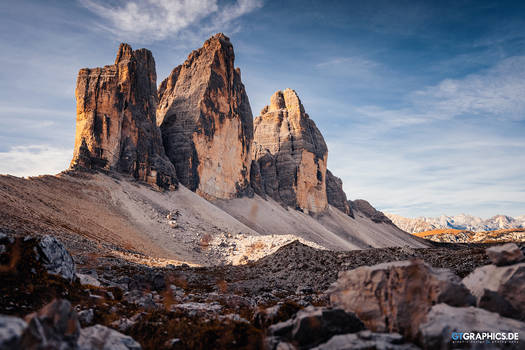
(459,222)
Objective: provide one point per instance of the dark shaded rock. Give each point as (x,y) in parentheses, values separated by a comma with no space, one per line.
(55,258)
(314,325)
(369,211)
(335,194)
(396,296)
(55,326)
(116,121)
(291,154)
(207,123)
(277,313)
(86,317)
(437,332)
(506,254)
(11,329)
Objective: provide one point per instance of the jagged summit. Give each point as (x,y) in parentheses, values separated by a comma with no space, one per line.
(290,154)
(116,127)
(206,121)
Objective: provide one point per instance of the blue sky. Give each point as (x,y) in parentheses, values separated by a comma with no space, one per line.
(422,104)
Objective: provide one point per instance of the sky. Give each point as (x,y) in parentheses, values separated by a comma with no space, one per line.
(421,103)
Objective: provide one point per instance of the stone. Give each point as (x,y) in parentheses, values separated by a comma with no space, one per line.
(88,280)
(55,258)
(314,325)
(86,317)
(11,329)
(506,254)
(396,296)
(291,154)
(116,119)
(206,122)
(369,211)
(499,289)
(366,340)
(335,194)
(277,313)
(55,326)
(443,322)
(103,338)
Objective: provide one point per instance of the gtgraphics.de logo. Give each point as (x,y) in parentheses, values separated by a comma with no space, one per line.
(485,337)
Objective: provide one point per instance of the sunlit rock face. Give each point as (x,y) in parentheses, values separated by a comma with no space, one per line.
(116,127)
(291,155)
(206,122)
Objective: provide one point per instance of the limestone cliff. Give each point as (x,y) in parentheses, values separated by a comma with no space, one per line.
(290,154)
(206,122)
(116,126)
(335,194)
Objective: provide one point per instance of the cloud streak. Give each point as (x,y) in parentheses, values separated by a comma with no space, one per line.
(153,20)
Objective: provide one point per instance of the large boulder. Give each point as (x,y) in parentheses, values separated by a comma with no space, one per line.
(103,338)
(55,326)
(506,254)
(55,257)
(11,329)
(116,119)
(444,323)
(499,289)
(314,325)
(206,122)
(396,296)
(291,154)
(366,340)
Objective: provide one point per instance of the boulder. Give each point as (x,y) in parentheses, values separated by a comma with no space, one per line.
(86,317)
(443,324)
(55,326)
(55,258)
(314,325)
(366,340)
(291,154)
(335,194)
(506,254)
(499,289)
(116,125)
(103,338)
(396,296)
(206,122)
(11,329)
(88,280)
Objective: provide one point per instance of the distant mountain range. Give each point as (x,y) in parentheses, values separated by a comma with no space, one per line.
(458,222)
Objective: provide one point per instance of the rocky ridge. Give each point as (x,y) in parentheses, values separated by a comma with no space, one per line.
(116,125)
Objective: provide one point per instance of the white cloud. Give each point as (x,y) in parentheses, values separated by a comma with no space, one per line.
(152,20)
(497,91)
(33,160)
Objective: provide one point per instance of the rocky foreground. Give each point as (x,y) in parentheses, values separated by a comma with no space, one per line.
(296,298)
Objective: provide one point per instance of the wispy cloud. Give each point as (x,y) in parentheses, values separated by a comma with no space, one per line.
(32,160)
(152,20)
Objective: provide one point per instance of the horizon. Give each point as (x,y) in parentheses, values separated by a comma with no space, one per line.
(422,116)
